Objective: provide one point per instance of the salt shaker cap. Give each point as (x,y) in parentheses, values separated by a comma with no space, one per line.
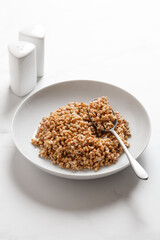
(20,49)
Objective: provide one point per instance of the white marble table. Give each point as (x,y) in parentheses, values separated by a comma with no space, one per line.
(113,41)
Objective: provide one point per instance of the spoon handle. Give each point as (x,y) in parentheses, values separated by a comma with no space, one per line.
(138,169)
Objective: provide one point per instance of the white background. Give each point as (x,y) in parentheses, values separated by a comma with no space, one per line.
(114,41)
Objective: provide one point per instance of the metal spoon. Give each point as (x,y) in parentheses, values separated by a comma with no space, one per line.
(138,169)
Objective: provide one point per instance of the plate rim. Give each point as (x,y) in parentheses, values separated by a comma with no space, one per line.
(77,176)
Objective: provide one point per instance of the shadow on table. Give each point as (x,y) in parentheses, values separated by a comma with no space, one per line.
(71,195)
(10,102)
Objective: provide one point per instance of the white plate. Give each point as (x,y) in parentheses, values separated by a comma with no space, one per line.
(49,99)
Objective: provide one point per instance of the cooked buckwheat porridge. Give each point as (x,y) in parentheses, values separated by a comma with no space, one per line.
(68,138)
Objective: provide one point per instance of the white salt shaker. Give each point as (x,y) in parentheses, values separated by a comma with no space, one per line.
(22,66)
(36,35)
